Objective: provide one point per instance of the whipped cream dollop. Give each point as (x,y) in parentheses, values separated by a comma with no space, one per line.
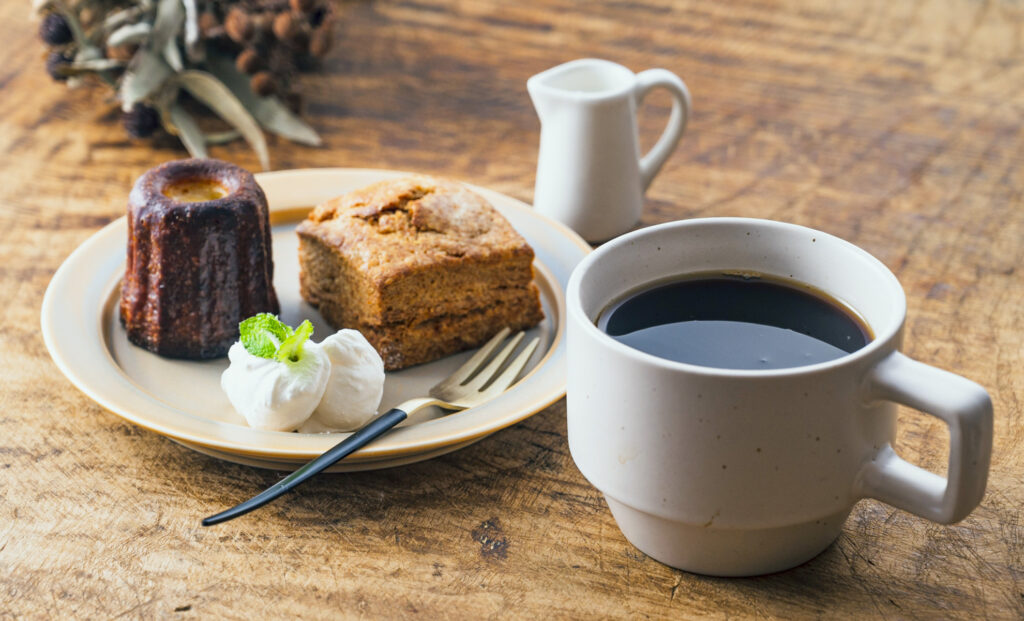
(335,385)
(355,387)
(273,395)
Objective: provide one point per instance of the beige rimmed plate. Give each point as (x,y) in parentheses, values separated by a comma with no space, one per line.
(183,400)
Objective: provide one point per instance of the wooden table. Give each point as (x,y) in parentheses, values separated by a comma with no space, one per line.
(895,125)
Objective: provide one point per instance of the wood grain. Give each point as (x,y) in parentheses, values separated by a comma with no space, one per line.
(895,125)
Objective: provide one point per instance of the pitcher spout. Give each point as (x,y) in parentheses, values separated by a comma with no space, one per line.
(586,79)
(542,97)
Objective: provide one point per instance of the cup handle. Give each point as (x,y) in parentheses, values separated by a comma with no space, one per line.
(651,163)
(965,407)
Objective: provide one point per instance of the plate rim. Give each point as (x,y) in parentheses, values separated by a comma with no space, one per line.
(374,453)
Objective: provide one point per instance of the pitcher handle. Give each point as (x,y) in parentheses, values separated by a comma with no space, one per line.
(961,404)
(651,163)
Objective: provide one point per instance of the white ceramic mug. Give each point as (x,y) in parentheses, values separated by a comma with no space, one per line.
(737,472)
(590,175)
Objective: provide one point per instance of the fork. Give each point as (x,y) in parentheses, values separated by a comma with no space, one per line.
(472,384)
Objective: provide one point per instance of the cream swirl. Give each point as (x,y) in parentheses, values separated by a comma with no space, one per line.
(355,387)
(273,395)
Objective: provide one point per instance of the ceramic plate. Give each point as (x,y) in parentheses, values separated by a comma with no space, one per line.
(183,400)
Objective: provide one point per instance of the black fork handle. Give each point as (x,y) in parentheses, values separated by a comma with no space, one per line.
(371,431)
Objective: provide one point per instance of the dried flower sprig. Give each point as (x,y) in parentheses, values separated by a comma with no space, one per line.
(239,58)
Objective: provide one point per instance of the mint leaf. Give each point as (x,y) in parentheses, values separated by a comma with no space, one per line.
(263,334)
(291,348)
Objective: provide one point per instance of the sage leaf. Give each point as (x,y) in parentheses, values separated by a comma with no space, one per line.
(188,130)
(173,56)
(123,17)
(131,33)
(222,137)
(215,95)
(146,72)
(148,69)
(269,111)
(193,48)
(169,16)
(162,101)
(87,54)
(96,64)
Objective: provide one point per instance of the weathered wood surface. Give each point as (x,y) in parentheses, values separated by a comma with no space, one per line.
(896,125)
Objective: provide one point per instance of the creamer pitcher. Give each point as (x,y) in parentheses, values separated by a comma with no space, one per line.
(590,174)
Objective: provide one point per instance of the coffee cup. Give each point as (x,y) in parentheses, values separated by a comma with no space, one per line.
(736,472)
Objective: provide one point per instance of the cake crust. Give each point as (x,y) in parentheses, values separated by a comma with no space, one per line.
(195,269)
(422,266)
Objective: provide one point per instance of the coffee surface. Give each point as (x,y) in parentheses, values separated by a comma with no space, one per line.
(735,322)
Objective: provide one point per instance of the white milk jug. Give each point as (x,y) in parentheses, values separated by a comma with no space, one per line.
(590,175)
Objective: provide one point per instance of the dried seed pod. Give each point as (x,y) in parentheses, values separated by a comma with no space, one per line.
(89,16)
(263,83)
(263,22)
(320,42)
(121,52)
(287,27)
(318,16)
(55,30)
(208,23)
(302,6)
(55,62)
(238,25)
(249,61)
(141,121)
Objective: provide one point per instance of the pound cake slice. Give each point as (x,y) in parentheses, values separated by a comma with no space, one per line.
(422,266)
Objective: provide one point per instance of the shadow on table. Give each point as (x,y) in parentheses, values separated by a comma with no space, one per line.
(883,565)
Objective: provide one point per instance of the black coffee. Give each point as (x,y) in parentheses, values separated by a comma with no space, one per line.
(735,322)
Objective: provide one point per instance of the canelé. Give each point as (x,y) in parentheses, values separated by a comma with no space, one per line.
(199,258)
(422,266)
